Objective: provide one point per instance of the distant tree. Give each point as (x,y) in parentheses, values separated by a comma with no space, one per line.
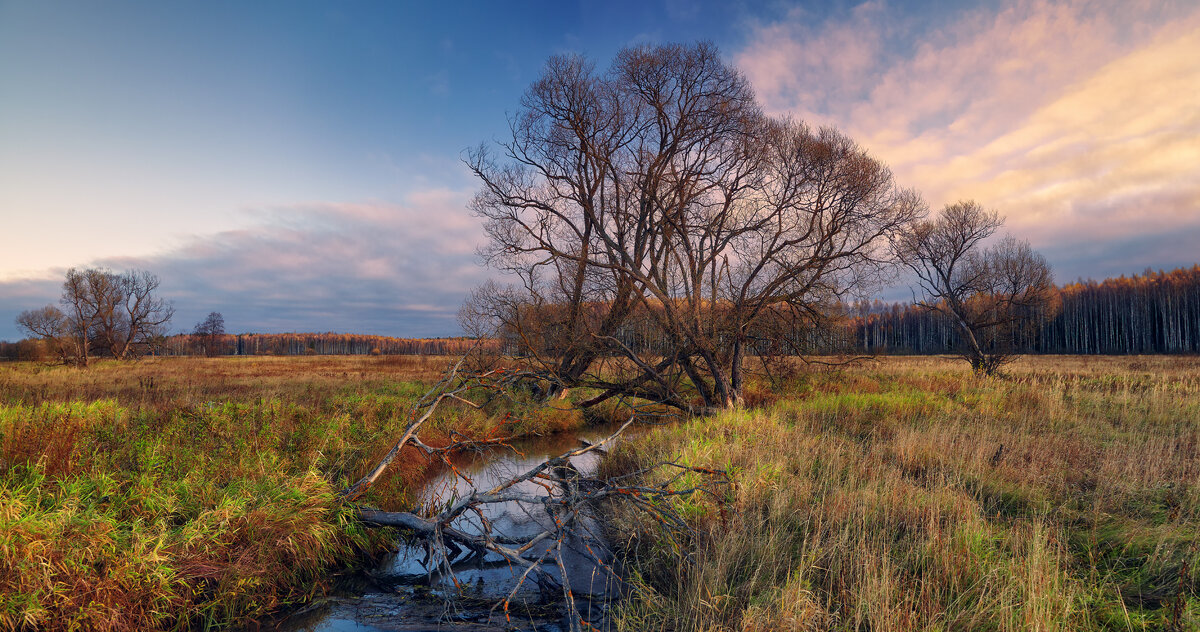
(104,313)
(32,349)
(54,327)
(129,315)
(992,295)
(28,349)
(208,333)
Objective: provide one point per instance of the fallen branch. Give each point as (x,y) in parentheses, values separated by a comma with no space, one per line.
(553,491)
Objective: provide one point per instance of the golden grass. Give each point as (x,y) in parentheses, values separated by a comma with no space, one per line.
(905,494)
(898,494)
(187,493)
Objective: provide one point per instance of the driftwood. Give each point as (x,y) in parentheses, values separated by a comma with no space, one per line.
(564,498)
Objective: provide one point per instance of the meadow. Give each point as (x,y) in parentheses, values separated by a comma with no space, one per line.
(199,493)
(896,494)
(905,494)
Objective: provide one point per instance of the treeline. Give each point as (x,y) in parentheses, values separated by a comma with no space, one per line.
(1154,312)
(29,349)
(271,344)
(314,344)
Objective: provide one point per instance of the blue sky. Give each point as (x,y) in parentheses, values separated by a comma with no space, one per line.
(296,166)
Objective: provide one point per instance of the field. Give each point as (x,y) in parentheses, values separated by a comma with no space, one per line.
(189,492)
(906,495)
(899,494)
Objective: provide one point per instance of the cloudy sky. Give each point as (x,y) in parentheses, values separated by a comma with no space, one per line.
(297,166)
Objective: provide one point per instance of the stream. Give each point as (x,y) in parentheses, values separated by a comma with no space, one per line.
(402,594)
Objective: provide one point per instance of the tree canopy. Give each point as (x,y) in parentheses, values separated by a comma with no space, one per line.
(659,191)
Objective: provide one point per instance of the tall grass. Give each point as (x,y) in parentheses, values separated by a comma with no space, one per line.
(197,493)
(908,495)
(898,495)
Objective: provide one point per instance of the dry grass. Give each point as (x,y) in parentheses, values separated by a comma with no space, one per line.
(196,493)
(900,494)
(904,494)
(175,381)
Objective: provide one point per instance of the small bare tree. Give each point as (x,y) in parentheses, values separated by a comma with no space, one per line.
(208,332)
(992,295)
(55,328)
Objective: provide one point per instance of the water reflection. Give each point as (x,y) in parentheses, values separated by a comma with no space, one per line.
(409,590)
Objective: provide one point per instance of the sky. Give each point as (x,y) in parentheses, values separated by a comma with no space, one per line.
(297,166)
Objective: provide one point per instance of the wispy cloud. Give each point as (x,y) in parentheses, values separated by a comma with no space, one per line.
(393,269)
(1080,121)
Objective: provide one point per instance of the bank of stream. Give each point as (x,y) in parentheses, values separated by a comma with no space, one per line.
(403,593)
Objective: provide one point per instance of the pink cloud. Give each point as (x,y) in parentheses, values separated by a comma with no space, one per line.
(1071,118)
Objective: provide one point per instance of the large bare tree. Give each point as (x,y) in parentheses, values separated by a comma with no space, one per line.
(993,295)
(658,193)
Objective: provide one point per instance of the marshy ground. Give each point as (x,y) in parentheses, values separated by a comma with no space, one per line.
(898,494)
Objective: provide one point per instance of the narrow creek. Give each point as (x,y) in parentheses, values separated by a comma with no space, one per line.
(401,594)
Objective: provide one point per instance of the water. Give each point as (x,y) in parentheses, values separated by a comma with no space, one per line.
(403,593)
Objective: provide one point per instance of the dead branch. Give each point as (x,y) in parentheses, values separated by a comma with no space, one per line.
(848,361)
(421,412)
(554,491)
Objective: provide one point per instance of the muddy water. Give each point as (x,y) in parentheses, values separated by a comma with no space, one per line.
(404,593)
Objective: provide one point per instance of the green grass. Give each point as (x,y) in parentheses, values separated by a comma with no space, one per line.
(897,495)
(879,498)
(194,493)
